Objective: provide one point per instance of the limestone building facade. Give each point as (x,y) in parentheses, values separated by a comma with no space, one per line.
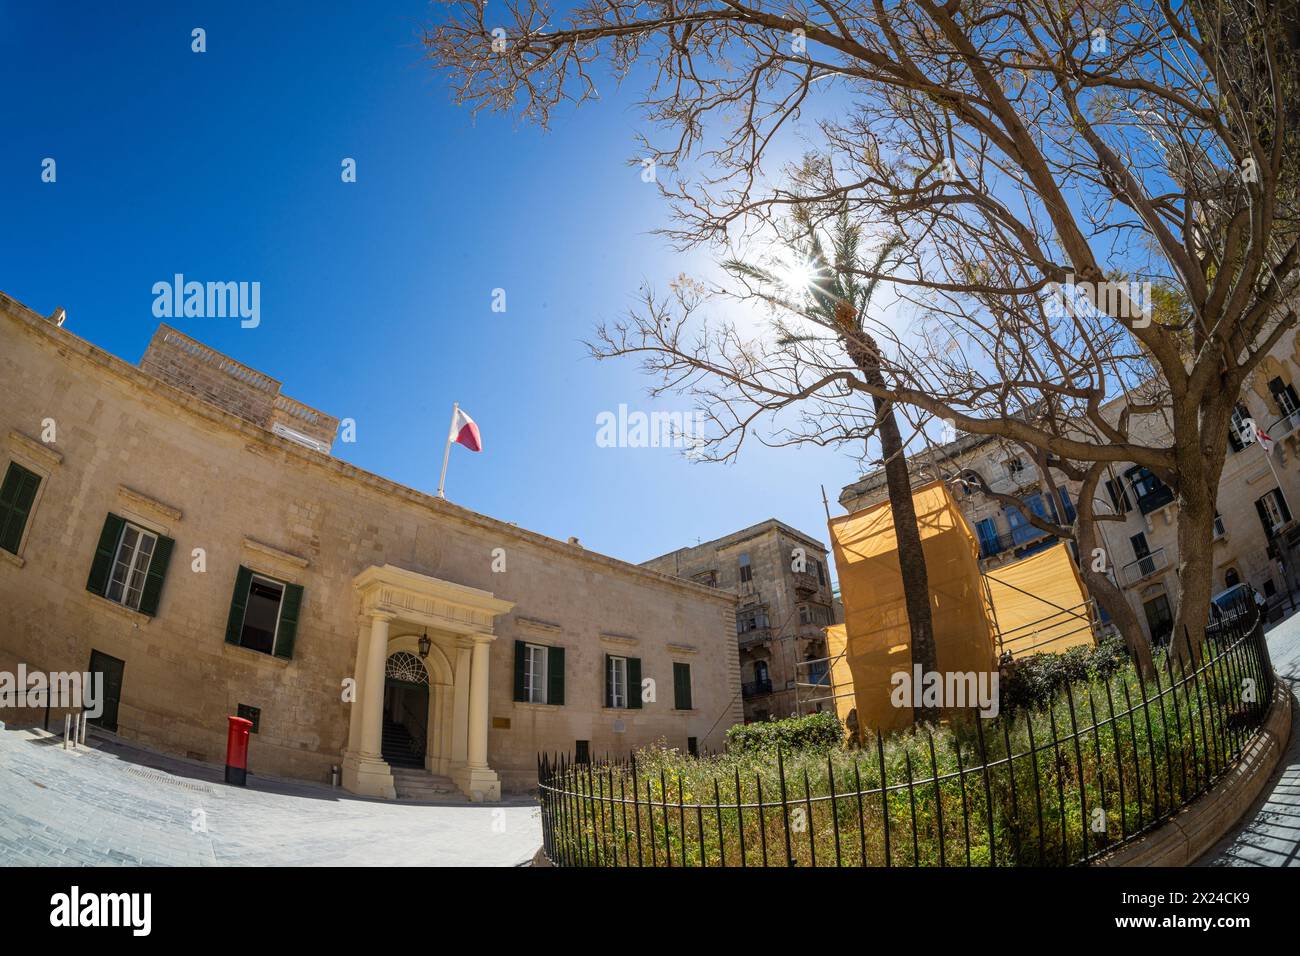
(182,527)
(781,578)
(1255,534)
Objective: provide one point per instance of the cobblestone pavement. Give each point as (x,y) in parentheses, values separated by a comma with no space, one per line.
(112,804)
(1269,835)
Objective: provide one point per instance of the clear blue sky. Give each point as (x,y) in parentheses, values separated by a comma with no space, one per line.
(376,296)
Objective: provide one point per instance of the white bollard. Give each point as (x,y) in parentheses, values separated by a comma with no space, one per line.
(84,722)
(67,729)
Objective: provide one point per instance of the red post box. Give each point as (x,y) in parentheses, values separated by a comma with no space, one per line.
(237,750)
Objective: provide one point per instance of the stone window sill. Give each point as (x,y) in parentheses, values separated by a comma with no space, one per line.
(247,654)
(526,705)
(136,617)
(13,559)
(686,713)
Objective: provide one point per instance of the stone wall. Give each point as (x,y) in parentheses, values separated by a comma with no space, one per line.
(129,444)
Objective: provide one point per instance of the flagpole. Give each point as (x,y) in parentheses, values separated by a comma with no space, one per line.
(446,452)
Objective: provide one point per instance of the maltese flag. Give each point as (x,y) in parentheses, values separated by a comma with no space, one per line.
(464,431)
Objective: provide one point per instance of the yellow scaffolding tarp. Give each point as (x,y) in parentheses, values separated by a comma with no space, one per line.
(1025,607)
(875,614)
(1039,604)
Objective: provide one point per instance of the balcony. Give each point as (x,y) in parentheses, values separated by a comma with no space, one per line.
(1155,499)
(753,637)
(1144,567)
(756,688)
(1284,426)
(805,584)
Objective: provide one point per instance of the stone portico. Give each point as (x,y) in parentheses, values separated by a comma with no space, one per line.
(397,608)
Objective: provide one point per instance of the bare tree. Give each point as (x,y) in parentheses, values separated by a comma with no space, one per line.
(1020,149)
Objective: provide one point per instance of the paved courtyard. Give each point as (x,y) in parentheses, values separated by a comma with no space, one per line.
(112,804)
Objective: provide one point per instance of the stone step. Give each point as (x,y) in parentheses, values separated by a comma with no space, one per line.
(412,784)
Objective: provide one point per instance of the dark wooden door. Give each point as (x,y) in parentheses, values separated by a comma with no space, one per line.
(112,669)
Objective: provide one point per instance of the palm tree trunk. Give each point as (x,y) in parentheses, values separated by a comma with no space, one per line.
(911,557)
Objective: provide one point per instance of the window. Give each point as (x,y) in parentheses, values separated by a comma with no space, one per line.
(693,746)
(1237,431)
(16,497)
(134,551)
(821,573)
(1015,466)
(1219,529)
(1231,578)
(539,674)
(622,682)
(1151,492)
(264,614)
(746,572)
(987,530)
(751,620)
(582,751)
(1284,394)
(130,565)
(681,686)
(535,674)
(253,714)
(1118,496)
(805,616)
(1273,512)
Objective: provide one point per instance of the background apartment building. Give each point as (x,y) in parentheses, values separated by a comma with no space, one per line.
(1255,535)
(781,578)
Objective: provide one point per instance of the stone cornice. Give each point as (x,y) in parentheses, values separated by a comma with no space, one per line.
(275,554)
(34,450)
(71,345)
(419,598)
(535,624)
(151,506)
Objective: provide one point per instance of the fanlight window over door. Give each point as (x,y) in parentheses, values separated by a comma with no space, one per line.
(407,668)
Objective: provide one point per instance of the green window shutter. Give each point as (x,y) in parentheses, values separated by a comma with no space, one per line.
(16,497)
(235,622)
(102,566)
(609,688)
(555,675)
(634,682)
(682,686)
(153,581)
(290,606)
(521,654)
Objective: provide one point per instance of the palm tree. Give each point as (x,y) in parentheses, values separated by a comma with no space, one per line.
(837,300)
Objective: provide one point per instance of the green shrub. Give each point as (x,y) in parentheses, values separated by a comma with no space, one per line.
(1031,681)
(815,732)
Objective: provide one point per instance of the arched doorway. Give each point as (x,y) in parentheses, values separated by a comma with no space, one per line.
(406,710)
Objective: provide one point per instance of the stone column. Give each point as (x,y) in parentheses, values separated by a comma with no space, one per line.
(373,698)
(364,769)
(478,705)
(460,706)
(358,688)
(476,779)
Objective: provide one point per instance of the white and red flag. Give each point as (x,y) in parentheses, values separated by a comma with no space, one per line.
(463,432)
(1264,441)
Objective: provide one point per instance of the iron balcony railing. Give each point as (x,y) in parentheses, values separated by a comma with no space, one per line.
(1100,767)
(756,688)
(1144,566)
(1284,426)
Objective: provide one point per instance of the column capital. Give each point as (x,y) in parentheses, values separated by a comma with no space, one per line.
(382,615)
(482,637)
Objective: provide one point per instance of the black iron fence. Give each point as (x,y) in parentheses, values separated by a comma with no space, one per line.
(1100,764)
